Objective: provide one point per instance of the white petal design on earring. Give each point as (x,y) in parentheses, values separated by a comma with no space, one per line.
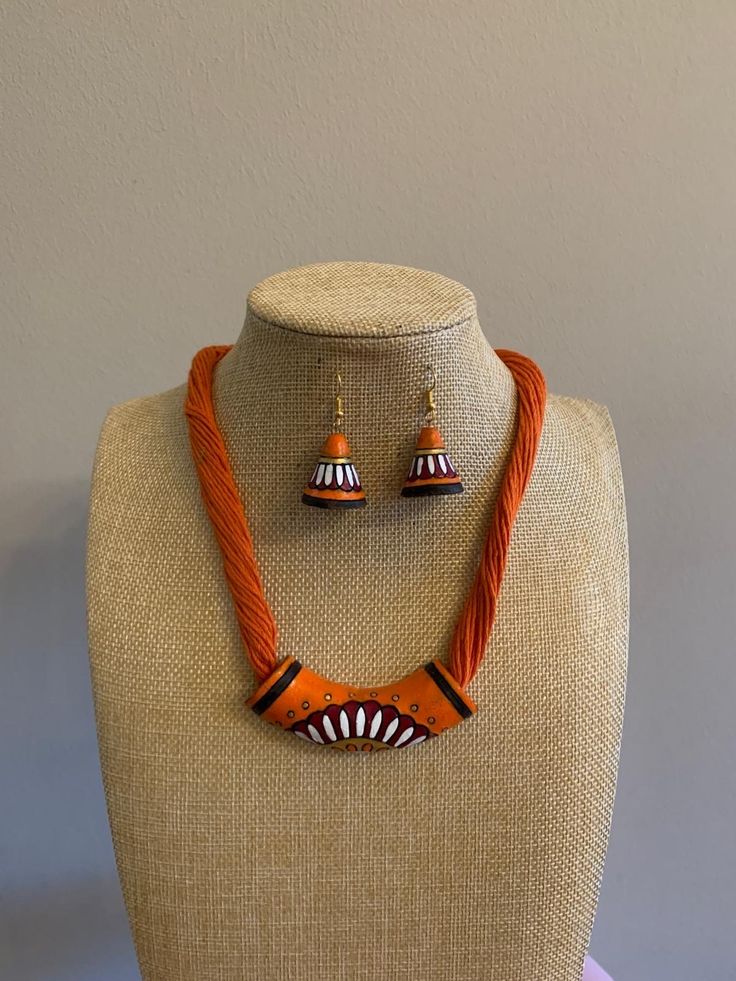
(356,479)
(360,721)
(441,461)
(338,474)
(417,739)
(320,473)
(328,474)
(430,465)
(344,723)
(376,724)
(420,464)
(413,466)
(349,474)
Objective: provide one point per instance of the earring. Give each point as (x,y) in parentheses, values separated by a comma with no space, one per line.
(431,470)
(335,482)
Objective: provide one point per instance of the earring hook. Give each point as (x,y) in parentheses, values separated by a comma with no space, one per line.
(339,404)
(430,407)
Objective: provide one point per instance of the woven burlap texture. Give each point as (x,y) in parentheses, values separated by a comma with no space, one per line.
(246,853)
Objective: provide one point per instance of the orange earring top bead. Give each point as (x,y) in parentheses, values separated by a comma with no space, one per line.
(407,713)
(335,482)
(431,471)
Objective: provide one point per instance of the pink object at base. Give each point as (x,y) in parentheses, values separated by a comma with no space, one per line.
(594,972)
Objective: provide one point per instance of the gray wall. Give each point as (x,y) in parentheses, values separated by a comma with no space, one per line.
(574,164)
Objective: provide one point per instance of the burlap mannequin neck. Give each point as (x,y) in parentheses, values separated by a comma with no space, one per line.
(380,326)
(246,854)
(382,351)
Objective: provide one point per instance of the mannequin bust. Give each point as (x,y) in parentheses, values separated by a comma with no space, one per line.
(246,853)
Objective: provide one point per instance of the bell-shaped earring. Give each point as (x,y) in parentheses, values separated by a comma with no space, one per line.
(335,482)
(431,470)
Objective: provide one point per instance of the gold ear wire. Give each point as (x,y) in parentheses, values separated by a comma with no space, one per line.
(339,404)
(429,402)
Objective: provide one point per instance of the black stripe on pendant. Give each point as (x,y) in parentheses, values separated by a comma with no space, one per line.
(448,691)
(277,688)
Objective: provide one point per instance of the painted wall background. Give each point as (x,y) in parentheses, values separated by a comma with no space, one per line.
(573,163)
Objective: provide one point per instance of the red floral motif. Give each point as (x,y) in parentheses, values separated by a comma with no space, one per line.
(361,726)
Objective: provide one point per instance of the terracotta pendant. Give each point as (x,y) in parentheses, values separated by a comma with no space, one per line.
(334,482)
(431,470)
(422,705)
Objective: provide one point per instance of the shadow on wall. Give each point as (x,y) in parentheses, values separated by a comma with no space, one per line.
(61,911)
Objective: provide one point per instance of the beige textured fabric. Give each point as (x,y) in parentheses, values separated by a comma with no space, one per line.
(246,853)
(325,298)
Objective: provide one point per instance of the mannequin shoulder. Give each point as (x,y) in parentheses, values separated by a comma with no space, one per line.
(577,473)
(161,414)
(145,438)
(579,434)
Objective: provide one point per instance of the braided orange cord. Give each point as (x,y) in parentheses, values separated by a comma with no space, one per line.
(474,627)
(225,509)
(221,498)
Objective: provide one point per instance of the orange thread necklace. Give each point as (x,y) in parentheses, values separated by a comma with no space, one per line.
(432,698)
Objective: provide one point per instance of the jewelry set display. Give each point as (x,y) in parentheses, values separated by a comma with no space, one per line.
(335,482)
(433,698)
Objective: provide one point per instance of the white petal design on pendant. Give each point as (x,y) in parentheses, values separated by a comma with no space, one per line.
(302,735)
(420,464)
(430,464)
(376,724)
(390,730)
(441,461)
(328,474)
(320,473)
(417,739)
(344,723)
(349,474)
(329,728)
(360,721)
(314,734)
(404,736)
(355,474)
(413,466)
(338,474)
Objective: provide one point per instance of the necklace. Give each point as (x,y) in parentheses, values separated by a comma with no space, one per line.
(426,702)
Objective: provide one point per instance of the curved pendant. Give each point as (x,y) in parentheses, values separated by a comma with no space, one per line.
(423,704)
